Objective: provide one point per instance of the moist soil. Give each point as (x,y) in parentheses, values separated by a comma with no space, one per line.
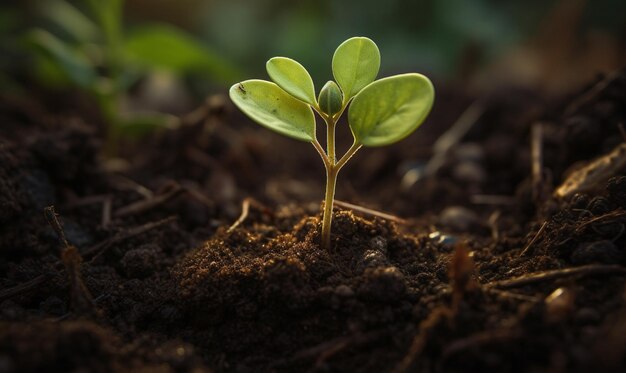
(471,263)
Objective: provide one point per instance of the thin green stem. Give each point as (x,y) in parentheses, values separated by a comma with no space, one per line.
(346,157)
(331,180)
(329,199)
(321,152)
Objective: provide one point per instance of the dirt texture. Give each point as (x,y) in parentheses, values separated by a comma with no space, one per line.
(459,258)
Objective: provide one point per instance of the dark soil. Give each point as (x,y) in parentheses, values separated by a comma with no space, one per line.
(482,268)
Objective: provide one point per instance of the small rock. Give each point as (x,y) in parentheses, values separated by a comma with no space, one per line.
(372,259)
(616,186)
(470,151)
(443,239)
(383,284)
(579,201)
(603,251)
(469,172)
(458,218)
(53,306)
(599,205)
(379,243)
(587,316)
(344,291)
(141,262)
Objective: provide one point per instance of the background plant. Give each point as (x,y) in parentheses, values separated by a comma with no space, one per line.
(380,112)
(87,46)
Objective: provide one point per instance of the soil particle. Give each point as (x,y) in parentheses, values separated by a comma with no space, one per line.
(598,252)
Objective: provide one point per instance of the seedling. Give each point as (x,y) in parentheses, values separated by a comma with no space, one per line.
(380,112)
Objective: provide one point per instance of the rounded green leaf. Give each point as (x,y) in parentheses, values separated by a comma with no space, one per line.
(267,104)
(292,77)
(355,65)
(389,109)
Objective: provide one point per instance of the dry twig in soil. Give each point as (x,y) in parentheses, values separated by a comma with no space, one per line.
(369,211)
(533,278)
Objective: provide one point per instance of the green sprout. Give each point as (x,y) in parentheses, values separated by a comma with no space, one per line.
(380,112)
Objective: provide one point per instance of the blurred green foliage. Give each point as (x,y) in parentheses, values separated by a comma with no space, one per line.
(86,45)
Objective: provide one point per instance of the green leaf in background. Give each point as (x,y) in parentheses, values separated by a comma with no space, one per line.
(165,47)
(389,109)
(269,105)
(75,24)
(355,65)
(68,60)
(293,78)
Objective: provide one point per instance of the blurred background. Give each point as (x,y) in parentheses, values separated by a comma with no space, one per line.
(192,48)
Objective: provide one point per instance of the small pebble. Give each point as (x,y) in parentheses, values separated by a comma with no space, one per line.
(379,243)
(458,218)
(587,315)
(616,186)
(469,172)
(597,252)
(443,239)
(372,259)
(344,291)
(599,205)
(53,306)
(469,151)
(141,262)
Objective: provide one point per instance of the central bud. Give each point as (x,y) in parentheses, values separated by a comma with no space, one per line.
(330,98)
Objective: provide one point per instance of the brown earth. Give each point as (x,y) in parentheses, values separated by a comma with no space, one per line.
(479,267)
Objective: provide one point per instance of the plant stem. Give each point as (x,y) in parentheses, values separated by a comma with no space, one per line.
(331,181)
(332,170)
(329,199)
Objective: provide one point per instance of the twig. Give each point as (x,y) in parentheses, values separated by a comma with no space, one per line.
(493,224)
(369,211)
(539,187)
(511,295)
(53,220)
(532,242)
(81,299)
(612,214)
(591,93)
(129,184)
(148,204)
(491,199)
(98,249)
(533,278)
(454,135)
(326,350)
(196,194)
(245,209)
(85,201)
(107,205)
(479,339)
(24,287)
(91,252)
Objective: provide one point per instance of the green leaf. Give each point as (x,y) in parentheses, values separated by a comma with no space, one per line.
(73,63)
(165,47)
(75,24)
(389,109)
(355,65)
(270,106)
(292,77)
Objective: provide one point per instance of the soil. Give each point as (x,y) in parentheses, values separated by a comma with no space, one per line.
(476,266)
